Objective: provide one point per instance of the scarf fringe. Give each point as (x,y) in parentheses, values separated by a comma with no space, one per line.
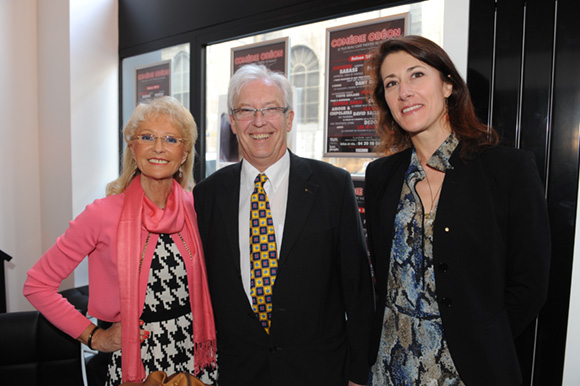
(204,356)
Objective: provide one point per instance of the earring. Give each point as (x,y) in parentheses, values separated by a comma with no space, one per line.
(180,172)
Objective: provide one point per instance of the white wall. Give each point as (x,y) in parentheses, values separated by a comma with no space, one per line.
(455,38)
(20,230)
(54,123)
(94,42)
(59,114)
(571,368)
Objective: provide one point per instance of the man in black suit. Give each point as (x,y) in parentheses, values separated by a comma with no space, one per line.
(312,325)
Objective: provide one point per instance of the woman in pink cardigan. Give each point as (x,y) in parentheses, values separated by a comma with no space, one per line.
(146,267)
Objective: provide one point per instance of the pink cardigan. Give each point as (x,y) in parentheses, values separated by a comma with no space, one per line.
(94,234)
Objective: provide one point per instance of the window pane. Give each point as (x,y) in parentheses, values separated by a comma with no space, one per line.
(179,57)
(299,80)
(307,70)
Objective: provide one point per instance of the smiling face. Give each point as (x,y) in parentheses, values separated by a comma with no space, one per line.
(415,94)
(158,161)
(263,141)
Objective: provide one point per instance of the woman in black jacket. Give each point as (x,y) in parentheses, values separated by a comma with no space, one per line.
(458,229)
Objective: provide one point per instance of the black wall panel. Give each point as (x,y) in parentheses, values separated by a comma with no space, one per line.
(480,56)
(537,80)
(508,63)
(562,184)
(148,20)
(524,79)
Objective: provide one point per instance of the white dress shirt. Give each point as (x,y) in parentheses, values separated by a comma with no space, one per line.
(277,190)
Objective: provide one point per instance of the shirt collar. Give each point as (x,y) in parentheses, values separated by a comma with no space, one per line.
(440,159)
(276,172)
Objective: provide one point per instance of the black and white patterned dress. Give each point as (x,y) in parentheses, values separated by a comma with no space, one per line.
(167,315)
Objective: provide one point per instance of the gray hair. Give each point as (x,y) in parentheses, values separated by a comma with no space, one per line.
(251,72)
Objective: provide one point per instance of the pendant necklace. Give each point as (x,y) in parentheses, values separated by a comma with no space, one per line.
(428,215)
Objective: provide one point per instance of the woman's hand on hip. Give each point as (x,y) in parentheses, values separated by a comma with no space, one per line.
(108,340)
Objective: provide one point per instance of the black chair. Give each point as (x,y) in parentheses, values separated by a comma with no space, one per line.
(34,352)
(78,297)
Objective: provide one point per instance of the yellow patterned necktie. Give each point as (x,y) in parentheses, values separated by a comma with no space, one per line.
(263,255)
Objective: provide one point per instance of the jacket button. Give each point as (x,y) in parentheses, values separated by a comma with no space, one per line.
(443,267)
(273,349)
(447,302)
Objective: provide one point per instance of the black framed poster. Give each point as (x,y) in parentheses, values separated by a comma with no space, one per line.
(272,54)
(153,81)
(350,117)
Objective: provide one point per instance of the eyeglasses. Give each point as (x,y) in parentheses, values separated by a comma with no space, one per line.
(150,139)
(247,114)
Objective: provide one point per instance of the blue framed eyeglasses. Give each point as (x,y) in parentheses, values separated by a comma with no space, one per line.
(150,139)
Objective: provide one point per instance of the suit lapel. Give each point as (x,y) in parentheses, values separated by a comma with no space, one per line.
(463,182)
(387,194)
(392,186)
(228,202)
(301,197)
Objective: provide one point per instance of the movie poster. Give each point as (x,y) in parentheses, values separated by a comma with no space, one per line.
(153,81)
(272,54)
(350,117)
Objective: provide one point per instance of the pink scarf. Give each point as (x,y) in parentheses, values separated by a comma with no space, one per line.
(178,217)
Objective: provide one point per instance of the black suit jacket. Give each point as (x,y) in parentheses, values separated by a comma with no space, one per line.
(491,249)
(323,279)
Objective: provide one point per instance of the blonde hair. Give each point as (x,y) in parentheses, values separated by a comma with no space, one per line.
(181,119)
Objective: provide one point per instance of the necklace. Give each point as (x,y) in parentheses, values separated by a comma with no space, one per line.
(147,243)
(433,197)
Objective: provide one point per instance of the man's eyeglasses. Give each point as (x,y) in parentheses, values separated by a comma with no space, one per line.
(247,114)
(150,139)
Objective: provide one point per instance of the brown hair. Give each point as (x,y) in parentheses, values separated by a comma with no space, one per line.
(474,135)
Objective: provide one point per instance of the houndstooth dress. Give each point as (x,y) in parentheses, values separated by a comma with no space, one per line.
(167,315)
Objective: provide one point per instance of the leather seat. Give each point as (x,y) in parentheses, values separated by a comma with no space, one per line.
(34,352)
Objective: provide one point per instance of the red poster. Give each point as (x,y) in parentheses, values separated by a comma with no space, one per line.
(272,54)
(153,81)
(350,118)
